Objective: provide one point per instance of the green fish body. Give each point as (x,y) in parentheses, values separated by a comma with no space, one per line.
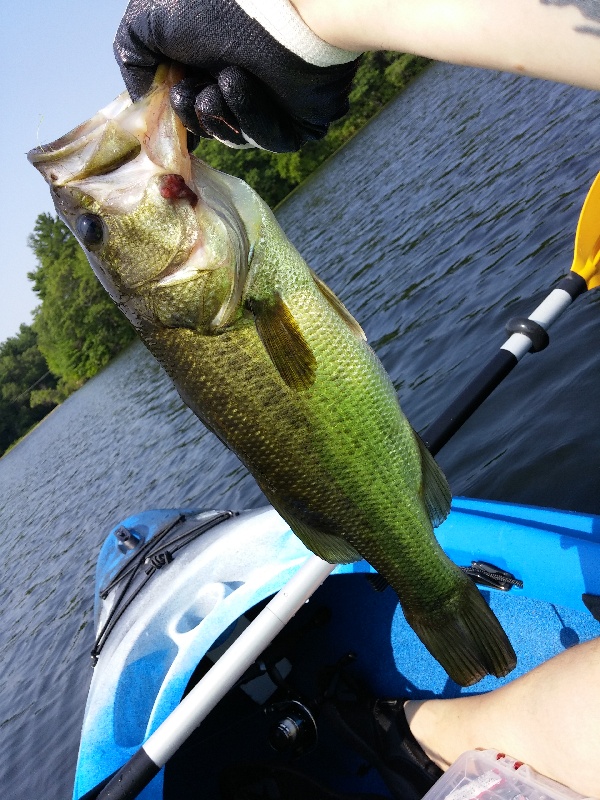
(270,360)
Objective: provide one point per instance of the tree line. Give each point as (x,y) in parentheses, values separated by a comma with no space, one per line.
(76,328)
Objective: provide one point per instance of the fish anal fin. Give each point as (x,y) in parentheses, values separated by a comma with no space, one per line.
(284,342)
(339,308)
(434,487)
(325,545)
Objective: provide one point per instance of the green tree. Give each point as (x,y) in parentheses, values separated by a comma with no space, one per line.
(23,371)
(79,328)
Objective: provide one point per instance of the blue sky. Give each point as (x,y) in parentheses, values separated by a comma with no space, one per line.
(57,71)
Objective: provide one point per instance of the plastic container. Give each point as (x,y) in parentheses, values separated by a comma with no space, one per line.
(490,775)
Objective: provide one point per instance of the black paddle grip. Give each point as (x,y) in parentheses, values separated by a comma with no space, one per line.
(445,426)
(128,781)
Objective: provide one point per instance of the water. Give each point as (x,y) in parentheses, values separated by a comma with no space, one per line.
(451,212)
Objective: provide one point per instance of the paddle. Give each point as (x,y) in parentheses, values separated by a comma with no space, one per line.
(127,782)
(527,334)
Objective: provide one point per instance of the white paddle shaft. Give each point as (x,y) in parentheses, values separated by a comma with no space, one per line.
(545,314)
(230,667)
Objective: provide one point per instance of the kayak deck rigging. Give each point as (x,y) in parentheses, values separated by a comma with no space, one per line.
(145,557)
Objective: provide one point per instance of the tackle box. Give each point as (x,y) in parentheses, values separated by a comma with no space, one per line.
(490,775)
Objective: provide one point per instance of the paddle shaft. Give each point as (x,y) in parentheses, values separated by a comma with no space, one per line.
(529,334)
(127,782)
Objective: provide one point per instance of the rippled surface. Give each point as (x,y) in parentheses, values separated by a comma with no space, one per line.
(451,212)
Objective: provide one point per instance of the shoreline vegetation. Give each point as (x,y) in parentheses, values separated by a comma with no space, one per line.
(77,330)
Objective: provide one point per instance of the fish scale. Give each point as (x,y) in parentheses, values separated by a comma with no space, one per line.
(271,361)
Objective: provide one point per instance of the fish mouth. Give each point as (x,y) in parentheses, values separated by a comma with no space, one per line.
(118,134)
(95,147)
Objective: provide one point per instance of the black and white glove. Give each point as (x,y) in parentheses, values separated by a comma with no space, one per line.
(255,74)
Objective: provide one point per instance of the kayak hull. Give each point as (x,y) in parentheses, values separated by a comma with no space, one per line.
(186,611)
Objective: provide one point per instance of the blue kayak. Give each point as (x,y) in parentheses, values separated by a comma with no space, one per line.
(175,587)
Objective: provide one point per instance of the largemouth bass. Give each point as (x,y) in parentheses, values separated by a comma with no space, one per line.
(270,360)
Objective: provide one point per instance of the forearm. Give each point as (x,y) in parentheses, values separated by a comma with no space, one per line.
(548,718)
(541,38)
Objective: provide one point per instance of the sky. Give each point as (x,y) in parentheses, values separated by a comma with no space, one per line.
(57,71)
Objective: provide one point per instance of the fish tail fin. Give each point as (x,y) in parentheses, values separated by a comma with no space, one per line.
(466,638)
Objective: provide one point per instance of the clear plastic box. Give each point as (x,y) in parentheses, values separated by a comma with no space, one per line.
(490,775)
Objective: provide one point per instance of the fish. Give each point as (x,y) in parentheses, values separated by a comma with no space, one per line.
(269,359)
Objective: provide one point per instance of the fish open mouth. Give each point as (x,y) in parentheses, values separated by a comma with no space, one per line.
(118,134)
(95,147)
(165,217)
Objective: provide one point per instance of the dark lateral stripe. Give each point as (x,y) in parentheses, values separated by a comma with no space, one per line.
(446,425)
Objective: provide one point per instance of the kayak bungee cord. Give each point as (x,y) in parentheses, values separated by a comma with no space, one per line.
(153,555)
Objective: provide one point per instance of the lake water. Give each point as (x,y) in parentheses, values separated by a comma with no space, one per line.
(454,210)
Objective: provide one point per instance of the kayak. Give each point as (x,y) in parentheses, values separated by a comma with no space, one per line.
(174,588)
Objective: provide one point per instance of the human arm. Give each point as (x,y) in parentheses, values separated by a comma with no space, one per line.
(275,73)
(554,39)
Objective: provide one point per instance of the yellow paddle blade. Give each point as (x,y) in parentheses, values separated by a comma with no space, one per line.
(587,238)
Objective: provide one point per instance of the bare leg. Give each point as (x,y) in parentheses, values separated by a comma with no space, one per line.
(548,718)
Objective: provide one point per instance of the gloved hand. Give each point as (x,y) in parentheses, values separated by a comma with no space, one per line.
(255,74)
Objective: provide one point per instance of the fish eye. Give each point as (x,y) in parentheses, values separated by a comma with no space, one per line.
(90,230)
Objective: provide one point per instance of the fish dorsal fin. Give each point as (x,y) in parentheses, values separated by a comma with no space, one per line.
(325,545)
(284,342)
(434,487)
(340,309)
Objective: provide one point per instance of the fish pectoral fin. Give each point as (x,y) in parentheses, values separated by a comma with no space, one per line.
(327,546)
(284,342)
(339,308)
(434,487)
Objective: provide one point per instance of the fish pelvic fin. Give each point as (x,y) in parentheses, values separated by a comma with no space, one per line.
(327,546)
(466,638)
(435,491)
(283,340)
(339,308)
